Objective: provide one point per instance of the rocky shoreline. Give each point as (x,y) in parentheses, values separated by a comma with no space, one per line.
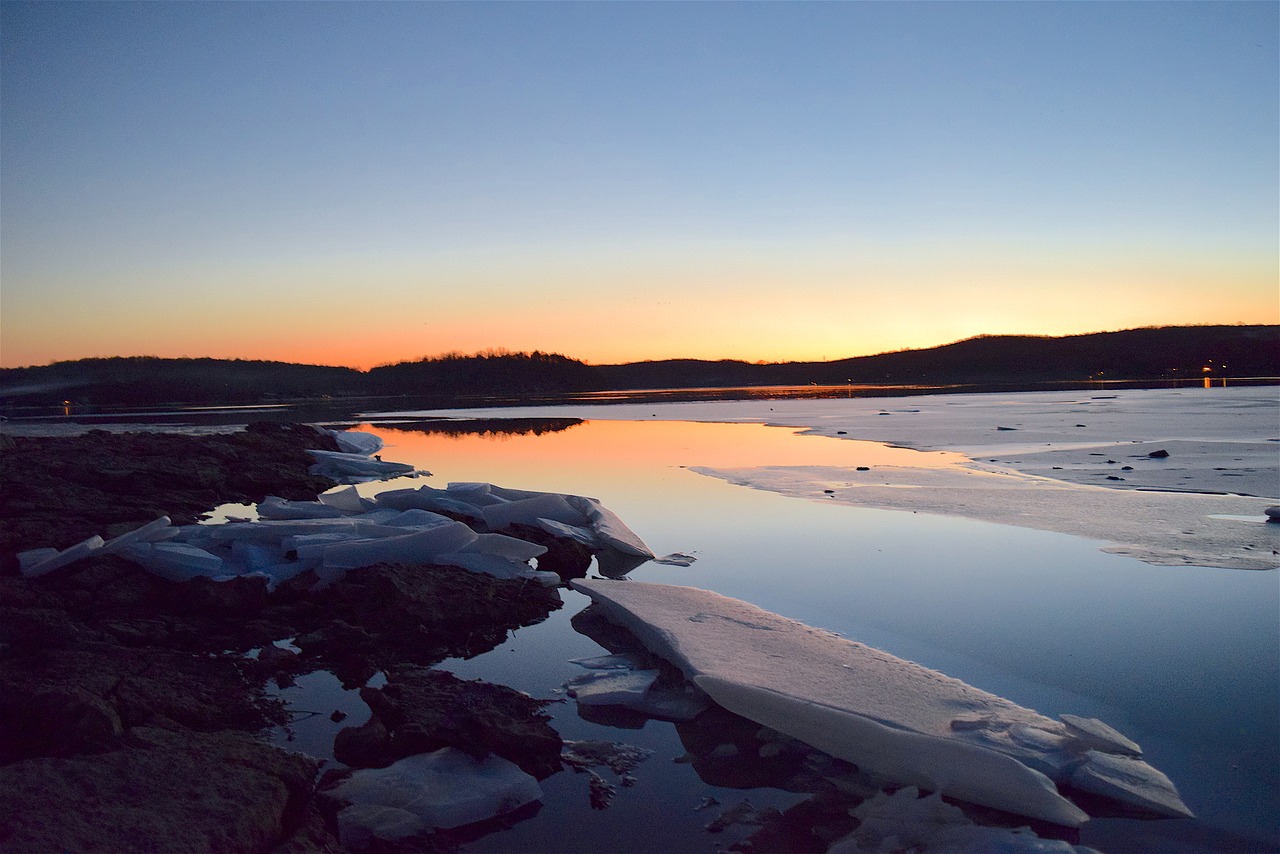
(132,707)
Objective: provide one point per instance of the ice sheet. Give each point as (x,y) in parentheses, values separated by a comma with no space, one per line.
(887,715)
(1223,443)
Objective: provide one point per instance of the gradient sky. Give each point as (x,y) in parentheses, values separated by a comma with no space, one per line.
(362,183)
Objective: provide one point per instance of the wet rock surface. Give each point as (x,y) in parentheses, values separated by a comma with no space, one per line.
(131,717)
(421,710)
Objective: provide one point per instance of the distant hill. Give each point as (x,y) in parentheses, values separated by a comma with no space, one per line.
(1161,352)
(1176,352)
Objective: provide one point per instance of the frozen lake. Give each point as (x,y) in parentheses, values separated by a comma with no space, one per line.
(1185,660)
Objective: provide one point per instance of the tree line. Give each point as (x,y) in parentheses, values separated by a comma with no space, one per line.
(1180,352)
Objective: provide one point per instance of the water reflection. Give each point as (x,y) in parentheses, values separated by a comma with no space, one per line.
(1185,660)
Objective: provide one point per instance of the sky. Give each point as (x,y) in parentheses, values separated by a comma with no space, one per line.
(364,183)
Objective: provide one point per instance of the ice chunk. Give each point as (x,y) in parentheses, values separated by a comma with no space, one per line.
(343,467)
(528,511)
(153,530)
(1098,735)
(345,499)
(427,498)
(174,561)
(1129,779)
(419,547)
(414,518)
(354,442)
(475,494)
(585,536)
(614,533)
(32,558)
(611,687)
(500,545)
(275,507)
(878,711)
(495,565)
(255,556)
(35,569)
(905,821)
(443,789)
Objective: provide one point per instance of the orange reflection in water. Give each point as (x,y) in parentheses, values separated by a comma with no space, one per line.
(585,456)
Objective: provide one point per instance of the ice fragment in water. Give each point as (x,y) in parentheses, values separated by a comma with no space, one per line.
(443,789)
(354,442)
(611,687)
(863,705)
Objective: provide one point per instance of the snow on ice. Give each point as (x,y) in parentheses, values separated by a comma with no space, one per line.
(886,715)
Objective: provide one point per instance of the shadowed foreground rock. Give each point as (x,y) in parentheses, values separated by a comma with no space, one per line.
(164,791)
(421,710)
(130,718)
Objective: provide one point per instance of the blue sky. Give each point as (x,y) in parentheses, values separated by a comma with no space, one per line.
(356,183)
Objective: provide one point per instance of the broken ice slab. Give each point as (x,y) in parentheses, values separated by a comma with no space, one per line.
(500,545)
(617,680)
(528,511)
(1129,780)
(611,687)
(156,529)
(610,528)
(427,498)
(443,789)
(32,568)
(275,507)
(32,558)
(174,561)
(884,714)
(356,442)
(346,499)
(421,546)
(498,567)
(342,466)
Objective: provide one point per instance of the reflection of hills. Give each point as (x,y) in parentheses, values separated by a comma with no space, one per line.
(493,428)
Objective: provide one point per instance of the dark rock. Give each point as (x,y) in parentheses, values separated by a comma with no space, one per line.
(56,491)
(565,557)
(864,468)
(1158,455)
(163,791)
(139,687)
(424,710)
(364,746)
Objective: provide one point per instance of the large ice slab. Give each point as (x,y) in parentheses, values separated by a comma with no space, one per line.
(886,715)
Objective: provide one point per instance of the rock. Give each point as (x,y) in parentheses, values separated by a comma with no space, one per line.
(424,710)
(1158,455)
(161,791)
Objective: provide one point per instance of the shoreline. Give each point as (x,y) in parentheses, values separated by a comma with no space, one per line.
(1077,464)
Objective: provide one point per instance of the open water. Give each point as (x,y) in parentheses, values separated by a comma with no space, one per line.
(1186,660)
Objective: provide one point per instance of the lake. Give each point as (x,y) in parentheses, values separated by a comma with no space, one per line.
(1185,660)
